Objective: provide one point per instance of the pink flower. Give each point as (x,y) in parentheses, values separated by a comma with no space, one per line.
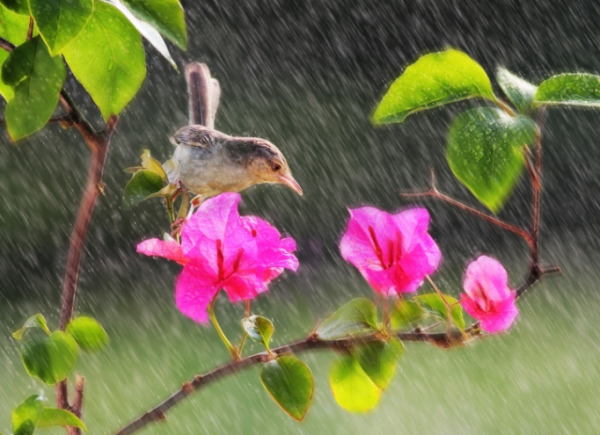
(222,250)
(488,298)
(392,252)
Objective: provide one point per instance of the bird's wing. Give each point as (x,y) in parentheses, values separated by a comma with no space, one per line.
(193,135)
(199,91)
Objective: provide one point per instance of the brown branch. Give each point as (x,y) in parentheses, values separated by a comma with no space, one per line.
(434,193)
(77,407)
(312,342)
(5,45)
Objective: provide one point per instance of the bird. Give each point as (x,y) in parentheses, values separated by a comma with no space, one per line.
(208,162)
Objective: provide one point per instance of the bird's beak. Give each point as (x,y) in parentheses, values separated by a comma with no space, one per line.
(289,181)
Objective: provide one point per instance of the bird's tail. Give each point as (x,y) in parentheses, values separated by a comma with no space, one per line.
(204,94)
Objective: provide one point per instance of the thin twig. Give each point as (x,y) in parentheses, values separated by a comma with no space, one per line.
(432,192)
(77,407)
(312,342)
(30,29)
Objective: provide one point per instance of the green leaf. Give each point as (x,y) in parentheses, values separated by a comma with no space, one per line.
(150,163)
(37,79)
(50,359)
(290,383)
(20,7)
(166,15)
(433,80)
(36,321)
(352,388)
(520,92)
(143,184)
(405,313)
(146,30)
(379,358)
(108,59)
(573,89)
(60,21)
(88,333)
(434,305)
(484,152)
(259,329)
(25,416)
(13,28)
(51,417)
(358,316)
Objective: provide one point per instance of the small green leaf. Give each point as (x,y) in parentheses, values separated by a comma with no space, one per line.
(108,59)
(36,321)
(405,313)
(352,388)
(485,152)
(259,329)
(50,359)
(433,80)
(143,184)
(37,79)
(434,304)
(290,383)
(25,416)
(150,163)
(379,358)
(88,333)
(20,7)
(59,22)
(146,30)
(357,317)
(572,89)
(13,28)
(166,15)
(51,417)
(520,92)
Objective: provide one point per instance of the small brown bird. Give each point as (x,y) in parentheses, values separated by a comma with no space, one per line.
(209,162)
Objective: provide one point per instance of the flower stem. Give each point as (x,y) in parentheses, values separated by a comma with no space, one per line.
(211,313)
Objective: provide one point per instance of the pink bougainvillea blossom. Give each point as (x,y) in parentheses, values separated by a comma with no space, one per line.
(487,297)
(393,252)
(222,250)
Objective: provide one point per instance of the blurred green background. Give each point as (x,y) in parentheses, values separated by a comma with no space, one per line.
(307,75)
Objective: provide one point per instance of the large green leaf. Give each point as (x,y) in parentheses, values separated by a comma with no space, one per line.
(379,358)
(37,79)
(60,21)
(88,333)
(405,313)
(357,317)
(20,7)
(50,359)
(573,89)
(13,28)
(108,59)
(259,329)
(434,304)
(351,386)
(166,15)
(35,321)
(51,417)
(520,92)
(147,31)
(485,152)
(290,383)
(142,185)
(25,416)
(433,80)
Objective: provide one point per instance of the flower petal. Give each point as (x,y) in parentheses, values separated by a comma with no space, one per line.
(412,223)
(488,275)
(169,249)
(195,288)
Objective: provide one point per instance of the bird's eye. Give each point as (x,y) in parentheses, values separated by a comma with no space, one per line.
(275,167)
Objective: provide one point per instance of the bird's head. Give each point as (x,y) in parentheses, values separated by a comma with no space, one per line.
(263,161)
